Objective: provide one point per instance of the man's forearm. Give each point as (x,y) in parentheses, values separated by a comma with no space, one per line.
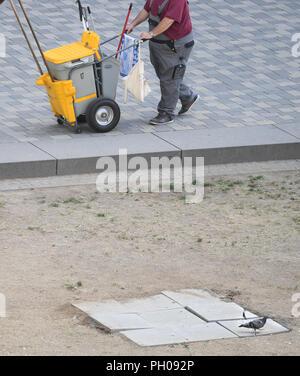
(164,25)
(141,17)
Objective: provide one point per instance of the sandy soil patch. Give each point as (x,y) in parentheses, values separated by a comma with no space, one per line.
(62,245)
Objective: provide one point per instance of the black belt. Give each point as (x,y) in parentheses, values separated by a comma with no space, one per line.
(170,43)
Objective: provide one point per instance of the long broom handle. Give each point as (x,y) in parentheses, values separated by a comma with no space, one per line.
(124,28)
(26,37)
(36,40)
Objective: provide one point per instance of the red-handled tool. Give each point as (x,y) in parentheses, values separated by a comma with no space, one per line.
(124,28)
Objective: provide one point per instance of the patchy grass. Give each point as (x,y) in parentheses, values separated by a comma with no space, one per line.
(72,200)
(296,220)
(254,178)
(34,228)
(70,286)
(54,205)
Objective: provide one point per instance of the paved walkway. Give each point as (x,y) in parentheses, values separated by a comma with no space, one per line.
(241,66)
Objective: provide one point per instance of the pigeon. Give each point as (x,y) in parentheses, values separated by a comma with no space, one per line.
(255,324)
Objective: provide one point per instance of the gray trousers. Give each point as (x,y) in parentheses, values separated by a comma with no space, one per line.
(165,61)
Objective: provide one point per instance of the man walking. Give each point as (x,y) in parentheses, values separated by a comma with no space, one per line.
(171,42)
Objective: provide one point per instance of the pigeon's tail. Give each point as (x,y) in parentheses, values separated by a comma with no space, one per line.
(243,326)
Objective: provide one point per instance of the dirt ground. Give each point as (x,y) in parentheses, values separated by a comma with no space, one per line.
(64,245)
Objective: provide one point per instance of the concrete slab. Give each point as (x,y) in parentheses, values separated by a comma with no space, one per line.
(206,306)
(214,310)
(116,322)
(293,129)
(271,327)
(150,304)
(235,145)
(23,160)
(173,318)
(95,307)
(205,332)
(79,156)
(186,297)
(167,336)
(154,337)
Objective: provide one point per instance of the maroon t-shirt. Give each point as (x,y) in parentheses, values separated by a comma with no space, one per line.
(177,10)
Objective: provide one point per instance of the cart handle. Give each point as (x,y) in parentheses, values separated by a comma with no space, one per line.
(80,9)
(124,49)
(109,40)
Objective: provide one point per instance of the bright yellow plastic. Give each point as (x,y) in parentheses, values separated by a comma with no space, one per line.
(86,47)
(91,40)
(61,95)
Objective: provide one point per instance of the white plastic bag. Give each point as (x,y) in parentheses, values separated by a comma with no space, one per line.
(136,83)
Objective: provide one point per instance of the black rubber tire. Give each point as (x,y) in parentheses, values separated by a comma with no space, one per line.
(110,108)
(60,121)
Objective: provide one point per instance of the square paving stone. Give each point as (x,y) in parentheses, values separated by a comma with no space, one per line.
(208,307)
(93,307)
(235,145)
(293,129)
(153,303)
(23,160)
(167,336)
(171,318)
(154,337)
(188,296)
(80,155)
(213,310)
(271,327)
(116,322)
(205,332)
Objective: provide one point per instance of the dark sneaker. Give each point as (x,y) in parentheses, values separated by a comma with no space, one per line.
(185,108)
(162,118)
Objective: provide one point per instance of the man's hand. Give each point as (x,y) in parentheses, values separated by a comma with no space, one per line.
(129,28)
(145,35)
(141,17)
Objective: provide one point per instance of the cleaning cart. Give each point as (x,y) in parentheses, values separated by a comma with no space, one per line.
(85,84)
(81,82)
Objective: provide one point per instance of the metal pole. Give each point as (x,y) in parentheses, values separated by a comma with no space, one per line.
(110,39)
(26,37)
(91,16)
(36,40)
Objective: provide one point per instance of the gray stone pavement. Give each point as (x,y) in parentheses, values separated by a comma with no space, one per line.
(241,66)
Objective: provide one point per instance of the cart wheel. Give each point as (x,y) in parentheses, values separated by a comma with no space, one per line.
(103,115)
(60,121)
